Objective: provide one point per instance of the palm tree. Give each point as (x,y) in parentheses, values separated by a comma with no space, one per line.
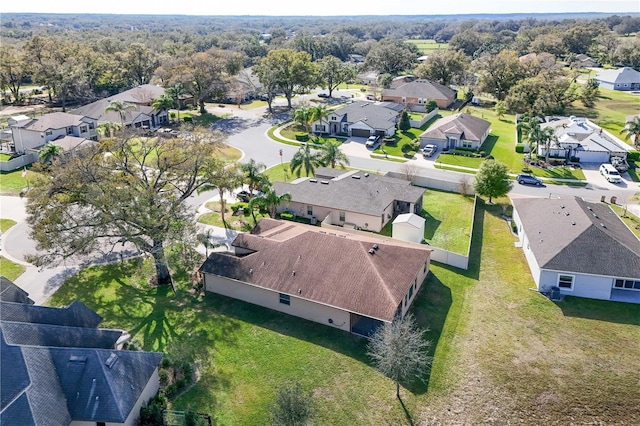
(332,155)
(48,152)
(163,103)
(529,128)
(108,128)
(632,129)
(174,92)
(253,175)
(305,158)
(548,136)
(270,200)
(121,108)
(221,178)
(204,238)
(303,116)
(318,112)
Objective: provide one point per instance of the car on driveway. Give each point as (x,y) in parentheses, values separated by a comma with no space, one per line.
(429,150)
(372,142)
(528,180)
(323,95)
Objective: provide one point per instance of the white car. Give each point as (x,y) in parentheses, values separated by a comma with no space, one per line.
(429,150)
(372,142)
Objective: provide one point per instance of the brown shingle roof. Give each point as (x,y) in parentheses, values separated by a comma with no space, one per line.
(329,269)
(469,127)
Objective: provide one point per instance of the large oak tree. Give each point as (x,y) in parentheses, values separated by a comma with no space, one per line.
(128,188)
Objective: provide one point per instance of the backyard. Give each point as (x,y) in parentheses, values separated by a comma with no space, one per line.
(445,228)
(492,339)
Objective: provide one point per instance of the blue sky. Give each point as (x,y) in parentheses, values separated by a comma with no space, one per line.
(324,7)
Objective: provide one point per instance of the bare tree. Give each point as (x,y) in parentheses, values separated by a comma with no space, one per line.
(399,351)
(464,185)
(409,172)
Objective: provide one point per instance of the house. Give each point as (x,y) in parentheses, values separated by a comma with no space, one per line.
(354,198)
(9,292)
(57,368)
(356,58)
(620,79)
(370,78)
(409,227)
(345,281)
(457,131)
(31,134)
(143,116)
(581,248)
(244,87)
(415,93)
(361,119)
(584,61)
(582,140)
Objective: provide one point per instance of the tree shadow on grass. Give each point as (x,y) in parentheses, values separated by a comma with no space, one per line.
(489,143)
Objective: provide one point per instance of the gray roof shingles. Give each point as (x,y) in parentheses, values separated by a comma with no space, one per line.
(462,124)
(368,195)
(378,117)
(420,88)
(573,235)
(77,314)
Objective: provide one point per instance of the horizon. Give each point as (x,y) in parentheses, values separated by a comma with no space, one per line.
(330,8)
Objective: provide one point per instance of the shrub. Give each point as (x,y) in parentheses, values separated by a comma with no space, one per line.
(286,215)
(406,148)
(172,115)
(163,376)
(520,148)
(151,413)
(633,155)
(431,105)
(415,145)
(390,140)
(240,205)
(302,136)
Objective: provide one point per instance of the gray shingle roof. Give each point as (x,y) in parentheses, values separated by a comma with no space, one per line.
(368,195)
(329,269)
(53,120)
(376,116)
(30,334)
(9,292)
(589,138)
(462,124)
(420,88)
(573,235)
(619,76)
(97,110)
(77,314)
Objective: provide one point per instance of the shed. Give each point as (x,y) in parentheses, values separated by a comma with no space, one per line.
(409,227)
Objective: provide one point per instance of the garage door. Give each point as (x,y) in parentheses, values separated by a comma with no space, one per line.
(360,133)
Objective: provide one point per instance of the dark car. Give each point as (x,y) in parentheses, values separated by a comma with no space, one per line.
(323,95)
(528,180)
(243,196)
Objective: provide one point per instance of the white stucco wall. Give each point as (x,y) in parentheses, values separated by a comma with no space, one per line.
(528,254)
(269,299)
(406,232)
(373,223)
(590,286)
(417,284)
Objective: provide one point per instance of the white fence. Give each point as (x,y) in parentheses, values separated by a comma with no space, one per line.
(419,123)
(464,185)
(18,162)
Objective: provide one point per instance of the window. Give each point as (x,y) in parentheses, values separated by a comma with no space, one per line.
(83,129)
(424,269)
(342,216)
(467,144)
(333,118)
(410,292)
(91,126)
(404,100)
(623,284)
(69,130)
(320,128)
(565,281)
(310,210)
(48,133)
(285,299)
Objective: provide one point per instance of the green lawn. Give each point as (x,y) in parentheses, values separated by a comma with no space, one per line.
(11,183)
(445,228)
(206,119)
(632,221)
(237,222)
(5,157)
(280,173)
(9,269)
(403,138)
(500,350)
(428,45)
(6,224)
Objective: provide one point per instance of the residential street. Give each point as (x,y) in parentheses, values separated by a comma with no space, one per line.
(247,131)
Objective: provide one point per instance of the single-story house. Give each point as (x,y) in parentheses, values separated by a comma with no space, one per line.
(457,131)
(353,199)
(58,368)
(32,133)
(584,61)
(348,281)
(361,119)
(620,79)
(369,78)
(583,139)
(409,227)
(244,87)
(581,248)
(415,93)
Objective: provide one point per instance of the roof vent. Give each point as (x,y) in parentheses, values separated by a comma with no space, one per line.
(595,215)
(372,251)
(566,213)
(250,271)
(366,175)
(313,180)
(355,177)
(113,358)
(603,225)
(77,358)
(562,206)
(324,182)
(375,247)
(299,291)
(293,274)
(573,223)
(589,207)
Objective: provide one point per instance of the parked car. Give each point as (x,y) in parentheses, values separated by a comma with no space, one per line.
(372,142)
(429,150)
(323,95)
(620,164)
(243,196)
(528,180)
(371,97)
(610,173)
